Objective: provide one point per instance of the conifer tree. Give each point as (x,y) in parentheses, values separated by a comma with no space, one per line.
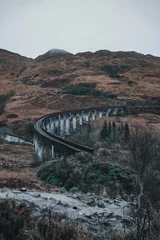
(88,128)
(126,132)
(104,131)
(122,128)
(114,131)
(109,129)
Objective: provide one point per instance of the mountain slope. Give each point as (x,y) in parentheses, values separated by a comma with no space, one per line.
(11,66)
(40,84)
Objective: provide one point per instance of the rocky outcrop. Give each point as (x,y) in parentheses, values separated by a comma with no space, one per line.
(95,213)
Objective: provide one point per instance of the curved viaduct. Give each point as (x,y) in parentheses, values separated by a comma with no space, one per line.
(50,130)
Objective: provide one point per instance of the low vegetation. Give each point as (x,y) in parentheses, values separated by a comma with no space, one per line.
(90,91)
(136,174)
(89,174)
(24,131)
(3,99)
(110,134)
(16,223)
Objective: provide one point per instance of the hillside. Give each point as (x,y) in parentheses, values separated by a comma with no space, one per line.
(46,84)
(59,80)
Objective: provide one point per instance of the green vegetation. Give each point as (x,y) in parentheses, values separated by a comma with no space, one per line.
(137,174)
(114,131)
(111,133)
(104,131)
(25,130)
(88,90)
(126,132)
(3,99)
(88,174)
(77,91)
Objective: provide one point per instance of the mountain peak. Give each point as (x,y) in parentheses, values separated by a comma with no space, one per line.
(57,51)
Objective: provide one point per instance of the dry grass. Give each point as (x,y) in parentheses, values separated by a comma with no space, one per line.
(15,169)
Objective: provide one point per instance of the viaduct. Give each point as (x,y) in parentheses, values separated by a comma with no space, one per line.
(51,129)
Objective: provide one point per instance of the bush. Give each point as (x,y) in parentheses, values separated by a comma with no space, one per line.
(87,89)
(109,95)
(3,99)
(77,91)
(10,221)
(16,224)
(86,174)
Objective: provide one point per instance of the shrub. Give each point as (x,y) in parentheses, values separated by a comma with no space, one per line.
(3,99)
(86,173)
(109,95)
(10,221)
(87,89)
(17,224)
(77,91)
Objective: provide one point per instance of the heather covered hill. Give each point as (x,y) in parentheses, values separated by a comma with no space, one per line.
(128,74)
(59,80)
(12,65)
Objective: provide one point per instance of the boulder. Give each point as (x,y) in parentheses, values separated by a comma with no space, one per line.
(103,152)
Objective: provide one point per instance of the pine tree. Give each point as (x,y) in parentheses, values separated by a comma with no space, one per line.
(109,129)
(114,131)
(126,132)
(104,131)
(121,128)
(88,128)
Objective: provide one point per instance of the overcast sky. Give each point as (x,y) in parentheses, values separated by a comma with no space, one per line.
(32,27)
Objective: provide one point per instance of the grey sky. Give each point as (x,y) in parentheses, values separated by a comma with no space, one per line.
(32,27)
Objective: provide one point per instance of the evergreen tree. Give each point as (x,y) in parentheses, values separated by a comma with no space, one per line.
(126,132)
(114,131)
(104,131)
(121,128)
(109,129)
(88,128)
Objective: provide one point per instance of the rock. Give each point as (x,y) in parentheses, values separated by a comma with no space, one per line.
(127,220)
(92,203)
(17,192)
(37,195)
(101,205)
(4,189)
(116,224)
(96,146)
(62,190)
(103,151)
(109,201)
(88,215)
(45,210)
(75,207)
(23,189)
(95,212)
(106,222)
(108,214)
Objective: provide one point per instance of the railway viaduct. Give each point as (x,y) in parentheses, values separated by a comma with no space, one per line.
(50,130)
